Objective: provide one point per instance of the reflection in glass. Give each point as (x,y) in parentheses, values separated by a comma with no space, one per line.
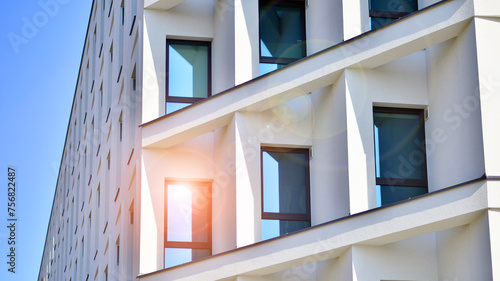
(407,6)
(285,187)
(281,32)
(379,22)
(188,70)
(285,182)
(275,228)
(392,194)
(383,12)
(398,142)
(400,160)
(187,222)
(180,216)
(177,256)
(265,68)
(174,106)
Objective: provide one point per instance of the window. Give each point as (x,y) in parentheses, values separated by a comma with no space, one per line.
(108,158)
(400,161)
(120,126)
(188,73)
(285,191)
(122,12)
(282,33)
(131,213)
(188,230)
(383,12)
(111,53)
(118,251)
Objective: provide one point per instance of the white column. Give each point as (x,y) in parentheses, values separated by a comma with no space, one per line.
(494,227)
(360,145)
(356,19)
(248,191)
(246,44)
(329,173)
(488,62)
(149,255)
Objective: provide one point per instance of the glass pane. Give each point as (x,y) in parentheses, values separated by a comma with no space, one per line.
(188,71)
(285,182)
(271,183)
(282,32)
(379,22)
(398,145)
(275,228)
(292,226)
(407,6)
(180,215)
(201,213)
(270,229)
(176,256)
(188,213)
(391,194)
(174,106)
(265,68)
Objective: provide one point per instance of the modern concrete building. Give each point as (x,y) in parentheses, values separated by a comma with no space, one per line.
(257,140)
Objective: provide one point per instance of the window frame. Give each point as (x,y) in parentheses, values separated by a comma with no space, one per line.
(181,244)
(174,99)
(284,3)
(383,181)
(286,216)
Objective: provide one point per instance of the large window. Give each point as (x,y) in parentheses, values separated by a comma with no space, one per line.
(282,33)
(383,12)
(285,191)
(188,230)
(400,159)
(188,73)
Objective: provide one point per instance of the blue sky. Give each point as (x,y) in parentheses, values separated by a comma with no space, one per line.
(41,43)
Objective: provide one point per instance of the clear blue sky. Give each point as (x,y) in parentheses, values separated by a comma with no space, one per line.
(40,51)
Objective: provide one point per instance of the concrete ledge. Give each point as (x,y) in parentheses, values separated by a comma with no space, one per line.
(428,214)
(161,4)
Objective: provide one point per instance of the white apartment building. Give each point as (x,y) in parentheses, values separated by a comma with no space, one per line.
(258,140)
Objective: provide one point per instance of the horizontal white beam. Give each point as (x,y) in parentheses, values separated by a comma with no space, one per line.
(161,4)
(431,213)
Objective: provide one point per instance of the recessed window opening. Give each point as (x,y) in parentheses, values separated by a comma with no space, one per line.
(109,160)
(285,191)
(188,219)
(383,12)
(400,155)
(120,126)
(282,33)
(122,12)
(118,251)
(188,73)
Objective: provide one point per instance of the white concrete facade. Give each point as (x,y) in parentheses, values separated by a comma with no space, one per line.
(93,232)
(442,59)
